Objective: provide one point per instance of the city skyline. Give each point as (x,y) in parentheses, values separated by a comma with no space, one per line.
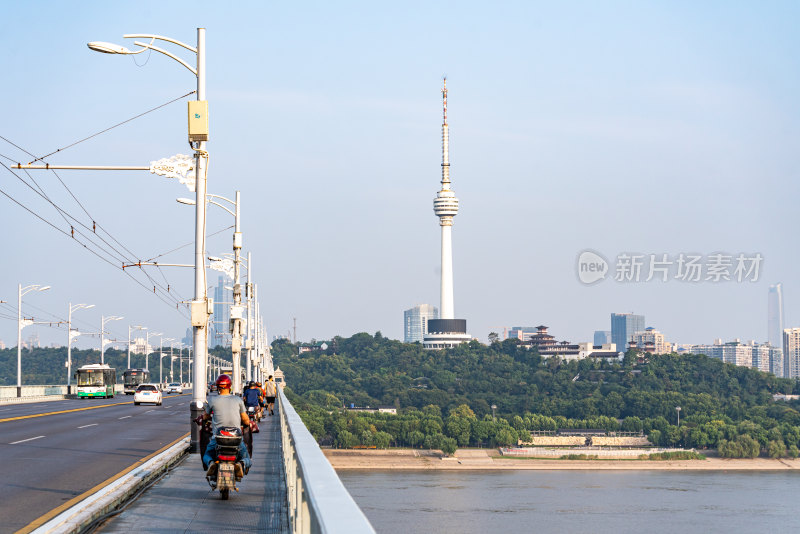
(632,136)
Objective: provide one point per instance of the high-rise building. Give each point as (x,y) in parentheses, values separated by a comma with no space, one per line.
(776,362)
(763,357)
(602,337)
(652,341)
(775,315)
(791,352)
(415,321)
(623,327)
(446,331)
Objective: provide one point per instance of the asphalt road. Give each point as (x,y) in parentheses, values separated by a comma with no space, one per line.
(49,459)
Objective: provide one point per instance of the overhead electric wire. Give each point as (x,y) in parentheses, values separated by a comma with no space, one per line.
(86,247)
(119,256)
(17,146)
(104,131)
(189,243)
(114,253)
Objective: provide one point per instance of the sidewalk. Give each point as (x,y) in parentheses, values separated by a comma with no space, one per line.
(183,501)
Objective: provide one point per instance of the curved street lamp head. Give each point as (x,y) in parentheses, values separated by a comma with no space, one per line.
(109,48)
(187,201)
(43,288)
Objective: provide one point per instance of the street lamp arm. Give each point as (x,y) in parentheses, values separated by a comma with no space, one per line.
(220,205)
(160,38)
(161,50)
(233,202)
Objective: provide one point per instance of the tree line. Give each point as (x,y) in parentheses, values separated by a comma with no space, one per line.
(723,406)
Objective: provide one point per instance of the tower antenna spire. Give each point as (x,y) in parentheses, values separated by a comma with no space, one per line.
(444,99)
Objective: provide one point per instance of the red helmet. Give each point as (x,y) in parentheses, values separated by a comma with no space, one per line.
(224,382)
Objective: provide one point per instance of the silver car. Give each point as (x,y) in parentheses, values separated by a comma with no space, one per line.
(173,387)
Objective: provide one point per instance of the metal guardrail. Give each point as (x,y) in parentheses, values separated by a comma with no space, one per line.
(318,501)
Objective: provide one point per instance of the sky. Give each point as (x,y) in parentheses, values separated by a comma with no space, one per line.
(631,128)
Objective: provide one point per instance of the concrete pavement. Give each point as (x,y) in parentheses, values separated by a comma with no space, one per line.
(183,501)
(57,451)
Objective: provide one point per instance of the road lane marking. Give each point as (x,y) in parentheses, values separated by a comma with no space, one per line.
(24,440)
(86,426)
(65,411)
(125,417)
(33,525)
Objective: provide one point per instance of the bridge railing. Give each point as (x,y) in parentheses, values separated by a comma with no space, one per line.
(318,501)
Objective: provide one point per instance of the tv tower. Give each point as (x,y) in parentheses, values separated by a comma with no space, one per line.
(446,332)
(445,206)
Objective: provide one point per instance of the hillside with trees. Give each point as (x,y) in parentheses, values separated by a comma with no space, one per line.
(447,395)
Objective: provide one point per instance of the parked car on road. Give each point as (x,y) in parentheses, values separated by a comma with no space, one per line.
(147,393)
(174,387)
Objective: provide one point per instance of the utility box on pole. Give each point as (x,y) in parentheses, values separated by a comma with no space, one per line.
(198,120)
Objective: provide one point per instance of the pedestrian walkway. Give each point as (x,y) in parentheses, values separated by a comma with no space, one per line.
(183,501)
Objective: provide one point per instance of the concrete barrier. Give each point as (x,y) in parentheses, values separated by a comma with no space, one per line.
(77,517)
(26,394)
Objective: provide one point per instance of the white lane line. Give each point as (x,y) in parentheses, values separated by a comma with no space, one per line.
(87,426)
(125,417)
(24,440)
(148,411)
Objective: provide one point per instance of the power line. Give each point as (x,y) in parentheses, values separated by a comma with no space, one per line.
(119,257)
(104,131)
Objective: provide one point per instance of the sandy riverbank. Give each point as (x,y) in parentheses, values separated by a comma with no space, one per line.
(483,459)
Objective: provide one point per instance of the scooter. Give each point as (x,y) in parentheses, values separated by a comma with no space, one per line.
(254,413)
(228,439)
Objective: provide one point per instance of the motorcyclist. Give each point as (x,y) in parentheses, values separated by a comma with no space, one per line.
(225,410)
(252,396)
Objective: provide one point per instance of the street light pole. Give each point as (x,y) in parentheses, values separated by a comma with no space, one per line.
(69,341)
(236,339)
(147,349)
(129,340)
(199,305)
(199,326)
(103,321)
(160,356)
(20,325)
(249,326)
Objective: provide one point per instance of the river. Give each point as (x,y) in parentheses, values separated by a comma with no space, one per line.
(640,502)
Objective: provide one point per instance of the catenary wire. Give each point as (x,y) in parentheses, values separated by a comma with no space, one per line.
(109,128)
(120,257)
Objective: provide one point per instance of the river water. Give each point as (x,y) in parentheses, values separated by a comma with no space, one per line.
(640,502)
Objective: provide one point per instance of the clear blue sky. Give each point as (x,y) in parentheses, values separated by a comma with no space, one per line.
(651,127)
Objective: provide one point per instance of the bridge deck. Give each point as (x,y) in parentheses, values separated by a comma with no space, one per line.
(183,502)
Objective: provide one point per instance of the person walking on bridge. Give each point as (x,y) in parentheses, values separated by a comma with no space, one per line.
(270,391)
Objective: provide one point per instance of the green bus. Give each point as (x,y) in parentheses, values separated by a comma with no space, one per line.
(96,380)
